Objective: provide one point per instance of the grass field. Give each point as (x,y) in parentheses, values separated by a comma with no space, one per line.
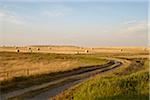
(129,82)
(16,64)
(41,66)
(55,59)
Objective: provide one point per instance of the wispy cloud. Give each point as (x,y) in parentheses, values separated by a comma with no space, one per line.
(53,13)
(57,10)
(129,22)
(136,27)
(10,17)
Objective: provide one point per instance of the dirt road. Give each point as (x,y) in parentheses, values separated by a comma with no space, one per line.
(60,83)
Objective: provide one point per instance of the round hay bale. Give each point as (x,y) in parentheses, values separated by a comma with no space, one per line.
(38,49)
(49,48)
(29,48)
(86,51)
(121,49)
(77,52)
(17,50)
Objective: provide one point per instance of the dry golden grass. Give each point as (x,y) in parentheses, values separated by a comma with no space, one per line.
(21,64)
(41,61)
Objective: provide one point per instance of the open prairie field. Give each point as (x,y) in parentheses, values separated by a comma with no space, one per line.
(25,64)
(74,49)
(38,72)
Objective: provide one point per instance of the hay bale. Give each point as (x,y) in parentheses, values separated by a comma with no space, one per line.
(86,51)
(38,49)
(77,52)
(49,48)
(29,48)
(121,49)
(17,50)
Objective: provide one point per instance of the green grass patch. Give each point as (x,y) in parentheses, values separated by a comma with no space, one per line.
(129,87)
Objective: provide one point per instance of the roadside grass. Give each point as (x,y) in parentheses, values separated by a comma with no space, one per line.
(130,85)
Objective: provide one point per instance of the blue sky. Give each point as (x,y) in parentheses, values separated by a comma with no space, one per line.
(93,23)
